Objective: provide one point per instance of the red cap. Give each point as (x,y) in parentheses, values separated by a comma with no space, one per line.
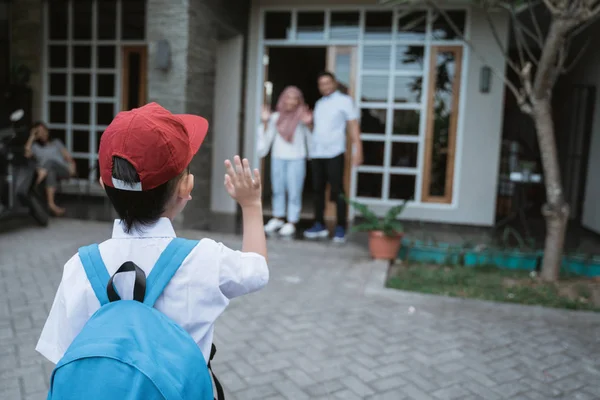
(158,144)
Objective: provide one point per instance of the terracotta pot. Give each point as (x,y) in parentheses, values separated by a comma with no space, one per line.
(384,247)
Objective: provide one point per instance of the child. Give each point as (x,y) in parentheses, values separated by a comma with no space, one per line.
(144,157)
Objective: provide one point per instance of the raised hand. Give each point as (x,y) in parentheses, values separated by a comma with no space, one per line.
(242,184)
(307,117)
(265,115)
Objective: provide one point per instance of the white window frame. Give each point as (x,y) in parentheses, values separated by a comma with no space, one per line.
(93,71)
(387,170)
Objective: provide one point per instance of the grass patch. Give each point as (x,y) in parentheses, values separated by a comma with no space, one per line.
(494,284)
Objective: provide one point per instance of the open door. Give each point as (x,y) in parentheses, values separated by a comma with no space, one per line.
(134,77)
(342,61)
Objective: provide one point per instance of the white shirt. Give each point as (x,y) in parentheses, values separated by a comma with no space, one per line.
(197,294)
(281,148)
(332,113)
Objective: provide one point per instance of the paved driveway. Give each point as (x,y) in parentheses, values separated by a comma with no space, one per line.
(325,329)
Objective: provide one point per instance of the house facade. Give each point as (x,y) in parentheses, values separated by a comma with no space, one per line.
(431,112)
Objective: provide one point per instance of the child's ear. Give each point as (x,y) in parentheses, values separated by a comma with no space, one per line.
(186,186)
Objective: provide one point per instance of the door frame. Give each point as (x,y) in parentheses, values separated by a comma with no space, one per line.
(331,52)
(143,89)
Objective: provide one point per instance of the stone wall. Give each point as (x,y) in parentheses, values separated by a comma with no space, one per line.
(26,41)
(189,84)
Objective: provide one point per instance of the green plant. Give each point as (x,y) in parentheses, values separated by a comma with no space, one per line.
(389,224)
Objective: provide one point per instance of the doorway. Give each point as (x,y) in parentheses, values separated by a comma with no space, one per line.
(300,66)
(133,78)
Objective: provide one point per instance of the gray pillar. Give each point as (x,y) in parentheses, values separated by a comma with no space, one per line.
(192,28)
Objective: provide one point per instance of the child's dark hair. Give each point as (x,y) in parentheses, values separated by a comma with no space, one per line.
(139,209)
(326,73)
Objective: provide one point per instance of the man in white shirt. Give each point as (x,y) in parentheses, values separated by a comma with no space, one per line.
(334,115)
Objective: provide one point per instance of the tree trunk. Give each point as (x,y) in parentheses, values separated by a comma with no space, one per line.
(555,211)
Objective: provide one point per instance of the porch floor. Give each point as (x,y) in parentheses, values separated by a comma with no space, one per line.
(578,240)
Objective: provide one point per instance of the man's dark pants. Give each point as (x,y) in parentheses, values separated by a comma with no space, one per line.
(324,171)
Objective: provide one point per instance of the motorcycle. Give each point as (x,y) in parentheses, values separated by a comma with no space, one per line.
(19,194)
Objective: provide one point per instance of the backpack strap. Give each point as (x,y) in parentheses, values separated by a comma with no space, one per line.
(220,392)
(95,270)
(168,263)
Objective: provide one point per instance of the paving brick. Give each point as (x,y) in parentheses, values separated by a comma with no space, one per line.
(365,346)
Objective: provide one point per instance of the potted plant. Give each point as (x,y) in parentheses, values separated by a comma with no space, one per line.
(385,234)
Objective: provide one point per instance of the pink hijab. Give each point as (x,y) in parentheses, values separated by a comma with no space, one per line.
(288,120)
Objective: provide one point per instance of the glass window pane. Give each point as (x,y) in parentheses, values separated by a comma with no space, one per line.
(376,58)
(81,141)
(83,167)
(373,153)
(344,25)
(372,121)
(369,185)
(402,187)
(443,110)
(378,25)
(57,19)
(58,112)
(81,85)
(58,85)
(343,69)
(59,134)
(375,88)
(82,56)
(412,26)
(311,25)
(277,25)
(81,113)
(404,154)
(406,122)
(442,30)
(133,19)
(106,57)
(407,89)
(82,19)
(410,58)
(107,19)
(106,85)
(104,113)
(58,56)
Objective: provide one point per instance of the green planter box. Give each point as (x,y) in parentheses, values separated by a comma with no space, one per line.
(509,259)
(581,265)
(445,254)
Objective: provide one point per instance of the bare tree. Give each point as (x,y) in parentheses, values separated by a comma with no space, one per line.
(543,55)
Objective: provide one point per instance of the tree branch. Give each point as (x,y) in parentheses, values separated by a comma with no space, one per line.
(510,63)
(553,9)
(536,24)
(521,100)
(570,67)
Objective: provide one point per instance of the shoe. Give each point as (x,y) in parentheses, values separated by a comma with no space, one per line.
(288,230)
(317,231)
(340,235)
(273,225)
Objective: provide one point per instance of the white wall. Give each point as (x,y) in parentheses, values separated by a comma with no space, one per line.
(479,130)
(588,73)
(228,99)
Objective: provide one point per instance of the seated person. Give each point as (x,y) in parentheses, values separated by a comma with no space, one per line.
(53,160)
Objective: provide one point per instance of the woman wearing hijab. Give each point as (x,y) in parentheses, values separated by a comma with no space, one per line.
(285,133)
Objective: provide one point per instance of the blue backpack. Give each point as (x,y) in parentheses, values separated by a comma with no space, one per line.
(128,349)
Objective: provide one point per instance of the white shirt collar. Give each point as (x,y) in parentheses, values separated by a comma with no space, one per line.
(163,228)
